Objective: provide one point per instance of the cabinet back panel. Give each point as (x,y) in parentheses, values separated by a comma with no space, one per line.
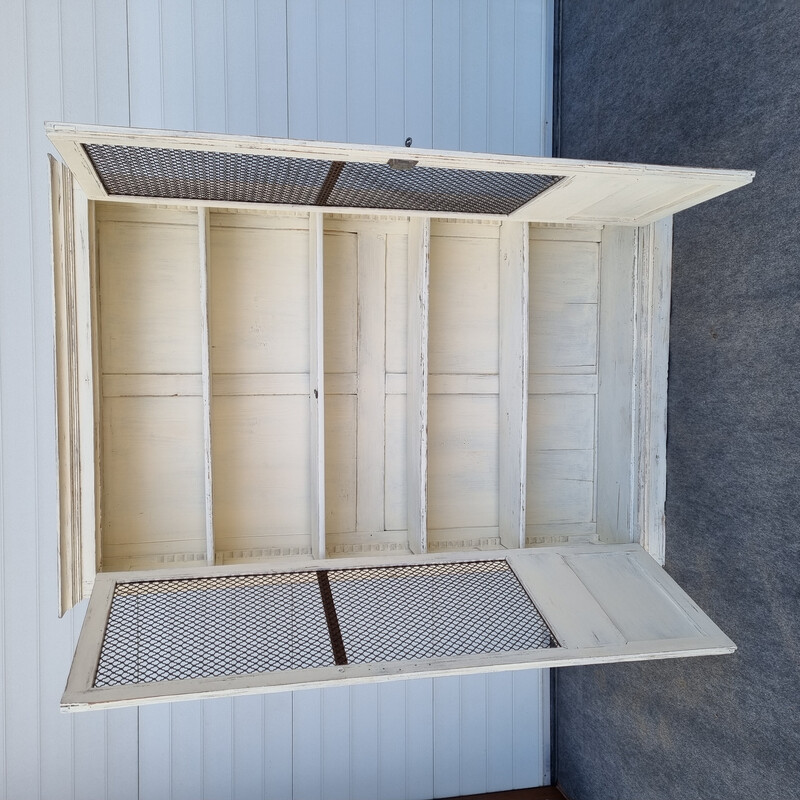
(462,461)
(259,303)
(365,321)
(153,474)
(341,302)
(396,302)
(260,462)
(149,296)
(395,473)
(464,273)
(563,305)
(340,463)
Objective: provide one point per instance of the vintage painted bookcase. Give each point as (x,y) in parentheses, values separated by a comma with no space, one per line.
(281,362)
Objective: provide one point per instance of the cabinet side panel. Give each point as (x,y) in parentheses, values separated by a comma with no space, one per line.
(563,329)
(615,400)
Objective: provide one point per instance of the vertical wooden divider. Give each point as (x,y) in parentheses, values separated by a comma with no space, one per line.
(371,403)
(316,370)
(204,241)
(419,230)
(513,398)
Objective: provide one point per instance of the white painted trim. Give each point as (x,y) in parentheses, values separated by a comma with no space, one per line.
(654,265)
(513,382)
(204,243)
(60,132)
(316,396)
(371,380)
(615,395)
(417,383)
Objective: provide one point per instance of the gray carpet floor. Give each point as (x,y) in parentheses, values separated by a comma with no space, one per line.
(713,84)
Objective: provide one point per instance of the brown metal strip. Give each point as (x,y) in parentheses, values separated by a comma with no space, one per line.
(335,633)
(330,181)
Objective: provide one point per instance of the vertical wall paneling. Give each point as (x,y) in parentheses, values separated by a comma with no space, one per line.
(418,70)
(615,385)
(204,243)
(42,37)
(155,752)
(121,747)
(513,400)
(474,743)
(307,744)
(532,75)
(417,382)
(499,734)
(144,64)
(474,75)
(248,747)
(389,74)
(419,739)
(392,758)
(20,670)
(78,69)
(301,62)
(500,91)
(526,726)
(316,383)
(218,742)
(272,77)
(371,381)
(332,50)
(186,745)
(111,59)
(335,724)
(177,64)
(364,740)
(278,752)
(446,69)
(241,67)
(446,743)
(361,69)
(210,100)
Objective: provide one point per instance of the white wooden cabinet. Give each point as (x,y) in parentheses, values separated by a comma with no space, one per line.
(262,383)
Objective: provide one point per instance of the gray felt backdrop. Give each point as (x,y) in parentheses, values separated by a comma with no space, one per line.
(713,84)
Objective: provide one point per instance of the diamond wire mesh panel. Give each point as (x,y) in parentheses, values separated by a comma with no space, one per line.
(212,627)
(205,175)
(206,627)
(435,610)
(436,189)
(253,178)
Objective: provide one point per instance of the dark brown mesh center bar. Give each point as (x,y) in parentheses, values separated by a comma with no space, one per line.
(244,624)
(253,178)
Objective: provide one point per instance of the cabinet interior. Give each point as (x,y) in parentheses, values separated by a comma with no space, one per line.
(206,361)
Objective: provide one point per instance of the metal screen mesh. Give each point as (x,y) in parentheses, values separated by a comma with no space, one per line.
(435,610)
(204,175)
(435,189)
(252,178)
(212,627)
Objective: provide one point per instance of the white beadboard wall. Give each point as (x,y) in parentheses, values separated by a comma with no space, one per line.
(460,74)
